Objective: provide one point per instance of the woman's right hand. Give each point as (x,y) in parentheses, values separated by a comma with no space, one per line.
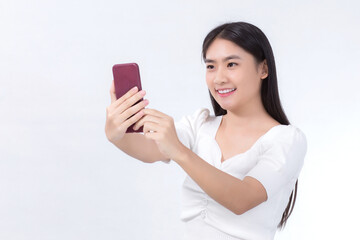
(118,112)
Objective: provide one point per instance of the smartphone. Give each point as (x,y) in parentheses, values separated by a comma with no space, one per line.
(127,76)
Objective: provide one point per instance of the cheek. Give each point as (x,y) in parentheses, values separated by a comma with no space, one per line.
(209,80)
(247,83)
(252,87)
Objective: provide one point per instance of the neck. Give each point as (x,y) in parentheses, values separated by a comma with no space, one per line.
(247,116)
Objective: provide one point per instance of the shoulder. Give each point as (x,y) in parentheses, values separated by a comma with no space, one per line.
(196,118)
(281,158)
(286,134)
(285,140)
(201,113)
(188,126)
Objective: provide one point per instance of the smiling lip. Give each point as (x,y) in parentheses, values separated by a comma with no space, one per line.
(225,94)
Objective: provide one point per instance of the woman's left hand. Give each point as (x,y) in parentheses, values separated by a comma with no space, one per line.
(161,128)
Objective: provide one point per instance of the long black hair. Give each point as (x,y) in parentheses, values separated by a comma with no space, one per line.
(254,41)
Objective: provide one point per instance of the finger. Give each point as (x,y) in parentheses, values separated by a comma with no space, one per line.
(132,95)
(128,109)
(127,123)
(123,98)
(151,127)
(140,122)
(112,92)
(151,135)
(146,118)
(155,112)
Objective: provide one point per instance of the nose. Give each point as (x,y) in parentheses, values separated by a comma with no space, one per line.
(220,76)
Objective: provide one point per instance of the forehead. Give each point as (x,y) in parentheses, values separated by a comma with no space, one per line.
(220,48)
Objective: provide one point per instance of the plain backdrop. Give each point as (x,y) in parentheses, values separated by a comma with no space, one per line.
(60,178)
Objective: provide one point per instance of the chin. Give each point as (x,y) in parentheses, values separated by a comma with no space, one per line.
(226,107)
(229,107)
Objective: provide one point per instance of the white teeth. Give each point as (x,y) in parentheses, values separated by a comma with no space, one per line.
(226,91)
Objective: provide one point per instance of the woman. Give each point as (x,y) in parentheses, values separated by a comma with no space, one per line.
(243,163)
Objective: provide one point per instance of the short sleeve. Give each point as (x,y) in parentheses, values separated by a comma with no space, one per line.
(187,127)
(281,160)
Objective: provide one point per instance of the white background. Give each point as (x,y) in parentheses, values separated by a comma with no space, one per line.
(61,179)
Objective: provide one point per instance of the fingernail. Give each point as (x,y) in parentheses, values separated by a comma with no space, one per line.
(134,88)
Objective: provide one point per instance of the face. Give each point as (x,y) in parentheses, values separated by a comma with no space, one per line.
(229,66)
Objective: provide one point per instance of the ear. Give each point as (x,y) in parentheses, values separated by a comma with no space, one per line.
(264,70)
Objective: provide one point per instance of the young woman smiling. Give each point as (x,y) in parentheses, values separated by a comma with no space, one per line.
(243,163)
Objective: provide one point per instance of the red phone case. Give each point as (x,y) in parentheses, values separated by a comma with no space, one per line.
(127,76)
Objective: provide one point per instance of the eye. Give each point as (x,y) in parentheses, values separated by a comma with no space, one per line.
(232,64)
(209,66)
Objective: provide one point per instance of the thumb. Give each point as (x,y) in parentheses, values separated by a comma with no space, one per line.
(112,92)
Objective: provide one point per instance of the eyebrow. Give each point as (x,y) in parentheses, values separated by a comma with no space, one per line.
(224,59)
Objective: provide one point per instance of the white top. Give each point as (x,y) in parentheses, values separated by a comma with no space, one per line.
(275,160)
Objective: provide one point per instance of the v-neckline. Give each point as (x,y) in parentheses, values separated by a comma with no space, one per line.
(217,127)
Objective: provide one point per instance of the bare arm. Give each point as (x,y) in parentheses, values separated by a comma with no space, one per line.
(236,195)
(121,114)
(138,146)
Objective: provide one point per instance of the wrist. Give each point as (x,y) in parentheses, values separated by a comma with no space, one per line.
(182,154)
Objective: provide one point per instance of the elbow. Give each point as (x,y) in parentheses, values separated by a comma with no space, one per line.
(148,161)
(240,206)
(243,208)
(239,210)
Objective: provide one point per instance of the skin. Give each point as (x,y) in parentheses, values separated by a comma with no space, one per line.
(246,115)
(244,106)
(246,120)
